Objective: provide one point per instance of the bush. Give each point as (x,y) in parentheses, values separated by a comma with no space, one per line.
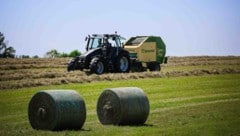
(74,53)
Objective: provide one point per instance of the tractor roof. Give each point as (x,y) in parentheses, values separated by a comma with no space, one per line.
(107,36)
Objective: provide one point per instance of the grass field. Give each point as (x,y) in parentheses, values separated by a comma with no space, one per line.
(190,96)
(182,105)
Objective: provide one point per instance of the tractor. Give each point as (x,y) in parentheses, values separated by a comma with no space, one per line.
(104,53)
(107,53)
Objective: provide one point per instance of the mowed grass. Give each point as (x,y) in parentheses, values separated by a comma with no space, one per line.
(22,73)
(193,105)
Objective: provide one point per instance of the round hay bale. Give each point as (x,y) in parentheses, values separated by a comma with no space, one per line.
(57,110)
(123,106)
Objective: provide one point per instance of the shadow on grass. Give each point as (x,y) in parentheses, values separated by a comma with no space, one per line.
(82,129)
(138,125)
(62,130)
(86,130)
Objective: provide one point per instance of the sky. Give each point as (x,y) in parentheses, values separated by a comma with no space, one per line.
(188,27)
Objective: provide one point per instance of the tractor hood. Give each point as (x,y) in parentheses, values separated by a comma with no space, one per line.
(86,57)
(91,53)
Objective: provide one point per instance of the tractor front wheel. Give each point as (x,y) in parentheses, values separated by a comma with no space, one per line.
(97,66)
(73,64)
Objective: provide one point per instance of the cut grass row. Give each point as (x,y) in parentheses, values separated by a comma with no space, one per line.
(194,105)
(56,78)
(43,63)
(7,75)
(40,72)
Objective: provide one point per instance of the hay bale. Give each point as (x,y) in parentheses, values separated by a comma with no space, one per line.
(57,110)
(123,106)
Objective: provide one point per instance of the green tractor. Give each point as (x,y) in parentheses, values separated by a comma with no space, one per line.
(104,53)
(107,53)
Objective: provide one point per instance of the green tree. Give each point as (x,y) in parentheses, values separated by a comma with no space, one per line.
(52,54)
(64,55)
(6,52)
(9,52)
(24,56)
(74,53)
(35,56)
(2,44)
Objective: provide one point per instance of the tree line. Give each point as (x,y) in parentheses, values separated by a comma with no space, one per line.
(9,52)
(55,54)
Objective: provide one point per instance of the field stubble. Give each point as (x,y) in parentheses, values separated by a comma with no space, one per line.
(19,73)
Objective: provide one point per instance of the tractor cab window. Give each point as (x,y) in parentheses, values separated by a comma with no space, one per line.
(118,42)
(109,42)
(100,41)
(114,41)
(95,42)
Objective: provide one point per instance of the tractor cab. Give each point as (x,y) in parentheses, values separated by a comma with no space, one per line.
(103,40)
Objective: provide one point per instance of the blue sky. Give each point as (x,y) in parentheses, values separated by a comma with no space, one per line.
(188,27)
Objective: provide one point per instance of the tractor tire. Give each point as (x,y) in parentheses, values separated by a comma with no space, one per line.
(73,64)
(97,66)
(154,67)
(137,67)
(122,64)
(70,67)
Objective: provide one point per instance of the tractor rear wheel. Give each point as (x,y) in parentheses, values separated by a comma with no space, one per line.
(122,63)
(97,66)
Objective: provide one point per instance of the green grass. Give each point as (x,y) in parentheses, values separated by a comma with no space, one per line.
(194,105)
(200,67)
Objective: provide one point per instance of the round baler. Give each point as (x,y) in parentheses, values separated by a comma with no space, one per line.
(146,52)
